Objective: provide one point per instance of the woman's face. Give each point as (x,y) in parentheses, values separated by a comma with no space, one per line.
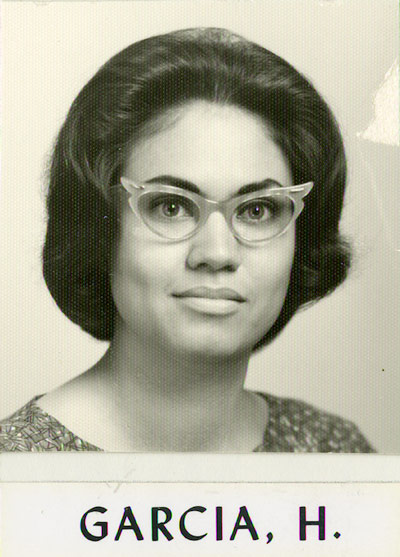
(219,149)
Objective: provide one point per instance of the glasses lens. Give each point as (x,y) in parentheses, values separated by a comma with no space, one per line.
(263,217)
(173,216)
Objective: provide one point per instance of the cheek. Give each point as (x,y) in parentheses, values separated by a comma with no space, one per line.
(138,283)
(143,265)
(270,269)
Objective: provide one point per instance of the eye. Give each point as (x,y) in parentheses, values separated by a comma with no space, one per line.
(256,211)
(170,207)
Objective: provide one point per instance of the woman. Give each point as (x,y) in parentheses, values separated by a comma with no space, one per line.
(176,231)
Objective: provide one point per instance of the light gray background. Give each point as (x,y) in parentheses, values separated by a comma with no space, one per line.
(342,353)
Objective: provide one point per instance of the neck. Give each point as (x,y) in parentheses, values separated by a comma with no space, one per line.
(176,402)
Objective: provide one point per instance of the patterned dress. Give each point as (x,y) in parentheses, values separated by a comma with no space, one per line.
(292,426)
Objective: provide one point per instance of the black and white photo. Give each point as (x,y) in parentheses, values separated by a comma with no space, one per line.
(199,228)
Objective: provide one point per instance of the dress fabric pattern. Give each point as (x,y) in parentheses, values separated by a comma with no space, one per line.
(293,426)
(31,429)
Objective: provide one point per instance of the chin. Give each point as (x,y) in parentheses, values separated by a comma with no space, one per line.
(214,346)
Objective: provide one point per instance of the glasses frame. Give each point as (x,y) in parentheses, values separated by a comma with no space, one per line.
(208,206)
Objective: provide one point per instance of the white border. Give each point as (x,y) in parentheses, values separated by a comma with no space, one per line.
(179,468)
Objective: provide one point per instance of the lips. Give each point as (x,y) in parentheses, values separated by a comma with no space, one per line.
(211,294)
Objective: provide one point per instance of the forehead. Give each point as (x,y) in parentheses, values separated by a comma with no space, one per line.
(217,147)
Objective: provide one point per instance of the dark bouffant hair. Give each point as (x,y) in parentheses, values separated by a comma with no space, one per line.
(112,110)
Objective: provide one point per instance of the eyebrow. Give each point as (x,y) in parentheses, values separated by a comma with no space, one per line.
(189,186)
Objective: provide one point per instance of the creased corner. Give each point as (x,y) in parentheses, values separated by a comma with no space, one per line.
(384,127)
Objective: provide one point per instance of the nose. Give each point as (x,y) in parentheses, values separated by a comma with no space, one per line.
(214,248)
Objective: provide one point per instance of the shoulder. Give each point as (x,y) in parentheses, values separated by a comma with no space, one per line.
(30,429)
(295,426)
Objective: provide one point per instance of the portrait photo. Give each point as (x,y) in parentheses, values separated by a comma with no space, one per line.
(200,227)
